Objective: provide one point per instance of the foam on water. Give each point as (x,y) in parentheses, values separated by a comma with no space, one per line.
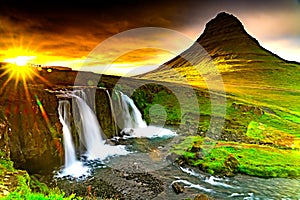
(106,151)
(76,170)
(190,172)
(191,185)
(149,132)
(236,195)
(212,180)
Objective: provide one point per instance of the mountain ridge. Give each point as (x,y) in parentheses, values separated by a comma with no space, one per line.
(230,21)
(228,46)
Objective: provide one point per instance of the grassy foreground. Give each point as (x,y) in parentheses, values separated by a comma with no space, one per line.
(18,185)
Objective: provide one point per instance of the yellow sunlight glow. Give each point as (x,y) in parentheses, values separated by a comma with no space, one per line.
(20,60)
(20,72)
(19,68)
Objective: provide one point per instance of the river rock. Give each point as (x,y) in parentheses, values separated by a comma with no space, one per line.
(177,188)
(201,197)
(127,132)
(231,165)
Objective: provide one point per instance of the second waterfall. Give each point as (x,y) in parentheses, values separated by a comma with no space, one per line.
(89,132)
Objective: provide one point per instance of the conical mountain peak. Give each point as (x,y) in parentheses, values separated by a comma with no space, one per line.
(229,47)
(222,22)
(227,34)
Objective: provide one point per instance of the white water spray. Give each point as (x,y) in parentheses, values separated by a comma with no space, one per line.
(131,115)
(91,134)
(91,130)
(64,111)
(72,166)
(135,126)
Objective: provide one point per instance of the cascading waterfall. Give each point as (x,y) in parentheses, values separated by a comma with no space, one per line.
(64,118)
(134,125)
(72,166)
(131,115)
(88,96)
(91,130)
(91,133)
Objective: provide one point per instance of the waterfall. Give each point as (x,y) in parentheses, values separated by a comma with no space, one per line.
(64,115)
(112,112)
(87,95)
(91,131)
(134,125)
(131,115)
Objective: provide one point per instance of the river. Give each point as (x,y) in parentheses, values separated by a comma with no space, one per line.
(146,158)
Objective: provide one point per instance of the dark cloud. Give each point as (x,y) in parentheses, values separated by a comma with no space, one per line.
(74,28)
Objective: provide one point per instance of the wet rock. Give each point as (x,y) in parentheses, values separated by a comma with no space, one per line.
(202,197)
(115,184)
(127,132)
(172,157)
(231,165)
(4,140)
(268,110)
(177,188)
(110,142)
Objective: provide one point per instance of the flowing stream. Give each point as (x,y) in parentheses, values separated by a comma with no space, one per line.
(146,151)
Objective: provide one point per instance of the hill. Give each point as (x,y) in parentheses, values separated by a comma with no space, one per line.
(249,72)
(261,130)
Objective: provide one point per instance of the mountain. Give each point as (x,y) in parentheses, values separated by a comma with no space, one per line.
(227,57)
(239,58)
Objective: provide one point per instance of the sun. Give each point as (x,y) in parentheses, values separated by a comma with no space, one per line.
(20,68)
(20,60)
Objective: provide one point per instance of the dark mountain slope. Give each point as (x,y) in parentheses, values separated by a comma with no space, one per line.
(238,56)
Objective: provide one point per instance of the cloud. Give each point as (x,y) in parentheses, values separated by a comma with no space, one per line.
(60,30)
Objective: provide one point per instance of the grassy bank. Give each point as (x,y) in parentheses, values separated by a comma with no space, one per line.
(257,139)
(228,158)
(18,185)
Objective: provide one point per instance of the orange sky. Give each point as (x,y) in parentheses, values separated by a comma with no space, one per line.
(60,34)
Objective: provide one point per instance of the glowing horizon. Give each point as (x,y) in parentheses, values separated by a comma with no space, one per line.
(65,39)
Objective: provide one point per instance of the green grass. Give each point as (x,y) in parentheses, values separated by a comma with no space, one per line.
(228,158)
(270,126)
(29,187)
(176,106)
(185,146)
(26,190)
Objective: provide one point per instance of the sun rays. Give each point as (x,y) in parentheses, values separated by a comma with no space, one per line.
(19,68)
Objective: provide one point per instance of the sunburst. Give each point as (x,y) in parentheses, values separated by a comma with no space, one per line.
(18,71)
(19,67)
